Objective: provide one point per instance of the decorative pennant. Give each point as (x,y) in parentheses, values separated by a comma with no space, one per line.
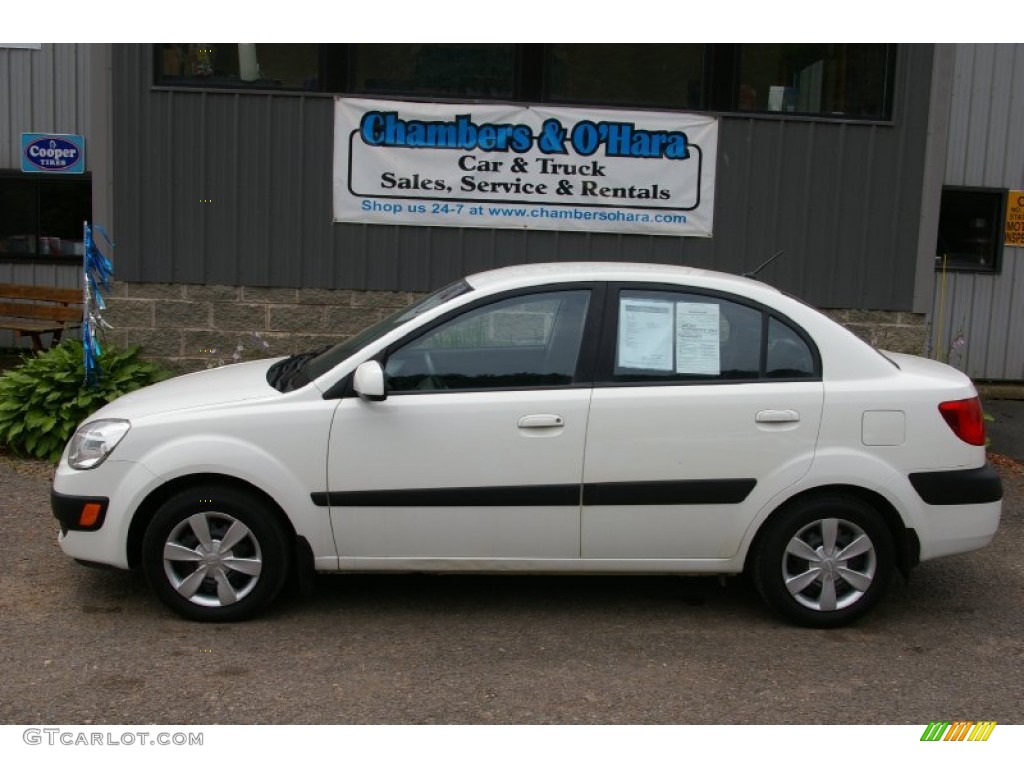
(96,275)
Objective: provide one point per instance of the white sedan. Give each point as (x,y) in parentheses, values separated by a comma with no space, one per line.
(556,418)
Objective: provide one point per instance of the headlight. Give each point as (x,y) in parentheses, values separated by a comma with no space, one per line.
(94,441)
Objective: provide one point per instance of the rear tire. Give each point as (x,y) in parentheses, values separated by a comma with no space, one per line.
(213,553)
(824,561)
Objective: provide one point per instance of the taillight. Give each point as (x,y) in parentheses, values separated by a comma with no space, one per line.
(966,419)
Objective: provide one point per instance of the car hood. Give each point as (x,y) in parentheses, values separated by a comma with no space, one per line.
(217,386)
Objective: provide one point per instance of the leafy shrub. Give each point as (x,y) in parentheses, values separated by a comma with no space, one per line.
(44,398)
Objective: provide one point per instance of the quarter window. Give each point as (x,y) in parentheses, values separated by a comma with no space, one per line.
(529,341)
(789,357)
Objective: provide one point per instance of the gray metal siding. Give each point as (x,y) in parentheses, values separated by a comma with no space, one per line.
(985,150)
(41,90)
(842,199)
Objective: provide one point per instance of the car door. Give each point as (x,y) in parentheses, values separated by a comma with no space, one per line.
(477,451)
(706,406)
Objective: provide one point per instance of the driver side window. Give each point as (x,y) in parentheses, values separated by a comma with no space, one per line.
(525,341)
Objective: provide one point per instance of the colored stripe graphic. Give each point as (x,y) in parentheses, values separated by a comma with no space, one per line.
(959,730)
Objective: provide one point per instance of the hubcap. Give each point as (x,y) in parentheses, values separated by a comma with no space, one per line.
(212,559)
(829,564)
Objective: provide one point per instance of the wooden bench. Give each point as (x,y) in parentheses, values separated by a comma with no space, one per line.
(32,310)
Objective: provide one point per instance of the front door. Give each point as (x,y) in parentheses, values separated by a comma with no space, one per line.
(477,451)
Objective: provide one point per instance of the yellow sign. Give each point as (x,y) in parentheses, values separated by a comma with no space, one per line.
(1015,218)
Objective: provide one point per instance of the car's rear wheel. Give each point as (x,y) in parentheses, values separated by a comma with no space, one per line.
(216,554)
(824,561)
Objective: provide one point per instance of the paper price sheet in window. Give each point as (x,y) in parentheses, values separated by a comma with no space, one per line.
(683,337)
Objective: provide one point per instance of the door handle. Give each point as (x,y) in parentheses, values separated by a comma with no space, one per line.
(541,421)
(784,416)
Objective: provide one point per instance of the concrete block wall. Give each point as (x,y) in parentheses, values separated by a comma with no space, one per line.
(191,327)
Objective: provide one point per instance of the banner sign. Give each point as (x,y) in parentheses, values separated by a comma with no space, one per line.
(52,153)
(538,167)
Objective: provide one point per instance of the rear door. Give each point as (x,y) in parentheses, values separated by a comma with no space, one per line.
(706,406)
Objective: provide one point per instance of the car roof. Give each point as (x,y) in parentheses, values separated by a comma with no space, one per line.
(584,271)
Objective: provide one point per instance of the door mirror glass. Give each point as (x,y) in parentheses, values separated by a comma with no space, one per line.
(368,381)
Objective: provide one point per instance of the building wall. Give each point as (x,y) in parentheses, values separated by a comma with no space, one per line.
(842,199)
(977,318)
(45,90)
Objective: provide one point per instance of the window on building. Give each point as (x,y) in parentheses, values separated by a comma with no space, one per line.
(291,66)
(455,71)
(41,218)
(835,80)
(832,79)
(666,76)
(970,229)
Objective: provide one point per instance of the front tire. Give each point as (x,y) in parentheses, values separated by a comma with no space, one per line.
(824,561)
(216,554)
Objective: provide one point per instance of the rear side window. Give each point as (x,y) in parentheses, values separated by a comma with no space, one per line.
(666,336)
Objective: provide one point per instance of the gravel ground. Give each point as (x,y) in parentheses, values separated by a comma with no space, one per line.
(87,646)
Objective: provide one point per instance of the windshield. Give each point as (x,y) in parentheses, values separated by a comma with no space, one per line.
(322,363)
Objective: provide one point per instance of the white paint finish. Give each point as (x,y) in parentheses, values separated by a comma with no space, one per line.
(457,440)
(704,432)
(476,533)
(231,422)
(883,428)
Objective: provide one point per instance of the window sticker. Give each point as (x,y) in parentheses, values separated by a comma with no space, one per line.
(645,334)
(697,339)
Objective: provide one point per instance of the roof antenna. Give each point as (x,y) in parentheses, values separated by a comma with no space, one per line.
(773,258)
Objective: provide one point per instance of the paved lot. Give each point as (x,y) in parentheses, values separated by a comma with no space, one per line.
(79,645)
(1006,429)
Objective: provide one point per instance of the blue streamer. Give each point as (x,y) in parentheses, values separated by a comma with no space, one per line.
(98,271)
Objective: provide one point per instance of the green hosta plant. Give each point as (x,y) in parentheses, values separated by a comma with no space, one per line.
(44,398)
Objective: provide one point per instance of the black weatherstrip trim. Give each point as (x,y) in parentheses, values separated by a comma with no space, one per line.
(961,486)
(491,496)
(668,492)
(612,494)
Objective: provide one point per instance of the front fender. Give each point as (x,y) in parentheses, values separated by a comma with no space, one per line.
(285,478)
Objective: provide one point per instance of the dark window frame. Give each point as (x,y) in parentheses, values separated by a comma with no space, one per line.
(720,80)
(948,245)
(39,182)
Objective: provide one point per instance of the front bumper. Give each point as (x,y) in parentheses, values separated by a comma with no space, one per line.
(78,513)
(117,487)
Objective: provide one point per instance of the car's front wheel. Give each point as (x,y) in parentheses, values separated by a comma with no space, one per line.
(824,561)
(216,554)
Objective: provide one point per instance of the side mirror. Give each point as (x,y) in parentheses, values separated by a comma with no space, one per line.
(368,381)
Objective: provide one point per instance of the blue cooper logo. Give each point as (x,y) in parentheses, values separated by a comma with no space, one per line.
(52,153)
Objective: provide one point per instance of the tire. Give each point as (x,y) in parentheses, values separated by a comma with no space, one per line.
(824,561)
(185,561)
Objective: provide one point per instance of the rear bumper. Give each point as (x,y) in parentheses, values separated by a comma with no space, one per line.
(957,487)
(961,509)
